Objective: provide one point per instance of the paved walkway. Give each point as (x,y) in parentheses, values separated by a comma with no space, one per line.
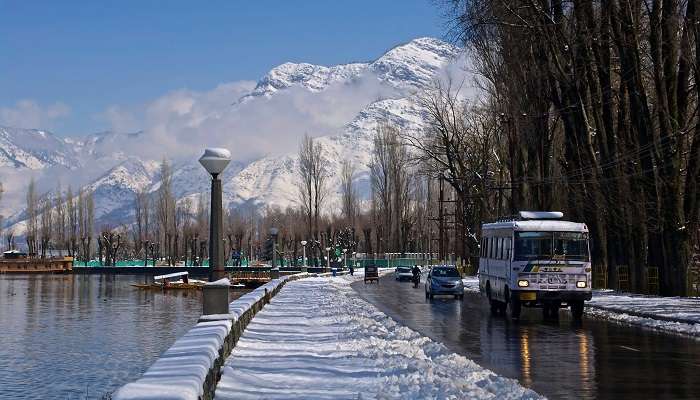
(317,339)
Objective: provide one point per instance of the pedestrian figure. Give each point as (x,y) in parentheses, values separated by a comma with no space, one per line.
(352,269)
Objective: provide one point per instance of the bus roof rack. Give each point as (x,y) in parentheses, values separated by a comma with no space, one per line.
(530,215)
(507,218)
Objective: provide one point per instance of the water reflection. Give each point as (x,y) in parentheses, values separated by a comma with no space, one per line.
(65,335)
(525,357)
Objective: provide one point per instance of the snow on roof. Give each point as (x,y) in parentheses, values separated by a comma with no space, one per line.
(173,275)
(220,282)
(541,214)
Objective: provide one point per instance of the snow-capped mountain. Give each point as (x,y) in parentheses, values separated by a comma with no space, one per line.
(34,149)
(411,65)
(270,180)
(39,149)
(114,192)
(273,180)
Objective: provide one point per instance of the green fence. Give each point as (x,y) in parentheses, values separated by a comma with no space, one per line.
(390,263)
(361,263)
(140,263)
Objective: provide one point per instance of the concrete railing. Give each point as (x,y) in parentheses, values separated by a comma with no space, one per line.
(191,367)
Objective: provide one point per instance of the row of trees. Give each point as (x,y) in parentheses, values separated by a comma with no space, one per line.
(58,224)
(396,217)
(593,108)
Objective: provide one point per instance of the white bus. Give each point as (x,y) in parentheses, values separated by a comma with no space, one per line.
(535,260)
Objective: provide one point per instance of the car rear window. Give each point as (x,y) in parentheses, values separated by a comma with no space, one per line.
(446,272)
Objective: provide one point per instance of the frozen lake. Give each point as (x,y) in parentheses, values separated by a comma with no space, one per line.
(82,336)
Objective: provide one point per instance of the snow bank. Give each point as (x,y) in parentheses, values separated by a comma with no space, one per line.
(190,367)
(471,284)
(318,339)
(181,372)
(669,314)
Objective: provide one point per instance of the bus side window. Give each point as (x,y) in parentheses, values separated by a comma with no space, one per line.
(507,249)
(490,253)
(500,248)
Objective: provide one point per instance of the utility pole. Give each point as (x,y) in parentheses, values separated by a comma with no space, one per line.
(441,219)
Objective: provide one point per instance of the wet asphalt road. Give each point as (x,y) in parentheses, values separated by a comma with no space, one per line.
(594,359)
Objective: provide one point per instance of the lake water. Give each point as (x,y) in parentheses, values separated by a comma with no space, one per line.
(83,336)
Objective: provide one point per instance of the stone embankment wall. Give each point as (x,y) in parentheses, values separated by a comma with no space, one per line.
(191,368)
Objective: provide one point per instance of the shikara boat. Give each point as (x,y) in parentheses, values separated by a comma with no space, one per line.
(174,281)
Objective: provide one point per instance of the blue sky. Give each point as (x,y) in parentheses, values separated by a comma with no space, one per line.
(64,63)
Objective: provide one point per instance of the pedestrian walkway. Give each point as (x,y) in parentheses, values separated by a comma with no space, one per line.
(317,339)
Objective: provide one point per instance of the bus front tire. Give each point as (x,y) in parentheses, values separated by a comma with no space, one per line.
(495,306)
(515,308)
(577,309)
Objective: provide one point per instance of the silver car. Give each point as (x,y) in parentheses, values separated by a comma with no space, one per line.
(401,273)
(444,279)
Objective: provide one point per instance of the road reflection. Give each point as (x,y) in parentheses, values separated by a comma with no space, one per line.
(560,359)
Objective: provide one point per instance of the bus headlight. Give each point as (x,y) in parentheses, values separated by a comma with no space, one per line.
(523,283)
(581,284)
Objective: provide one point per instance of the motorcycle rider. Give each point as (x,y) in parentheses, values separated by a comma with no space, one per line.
(416,275)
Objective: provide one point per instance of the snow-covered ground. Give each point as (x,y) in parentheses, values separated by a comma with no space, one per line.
(319,339)
(668,314)
(471,284)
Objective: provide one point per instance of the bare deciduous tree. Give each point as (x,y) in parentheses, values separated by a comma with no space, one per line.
(166,211)
(32,218)
(350,197)
(313,176)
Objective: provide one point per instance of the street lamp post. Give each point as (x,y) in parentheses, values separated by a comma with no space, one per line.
(303,245)
(345,258)
(273,234)
(328,258)
(215,160)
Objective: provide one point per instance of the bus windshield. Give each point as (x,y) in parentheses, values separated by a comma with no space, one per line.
(546,245)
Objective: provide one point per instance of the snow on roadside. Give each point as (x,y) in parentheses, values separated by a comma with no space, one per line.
(683,309)
(319,339)
(649,323)
(679,315)
(471,284)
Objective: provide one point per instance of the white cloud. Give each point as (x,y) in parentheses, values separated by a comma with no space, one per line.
(30,114)
(120,119)
(181,123)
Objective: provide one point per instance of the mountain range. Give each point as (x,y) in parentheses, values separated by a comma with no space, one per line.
(102,163)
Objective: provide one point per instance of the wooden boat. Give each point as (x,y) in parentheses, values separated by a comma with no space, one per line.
(168,282)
